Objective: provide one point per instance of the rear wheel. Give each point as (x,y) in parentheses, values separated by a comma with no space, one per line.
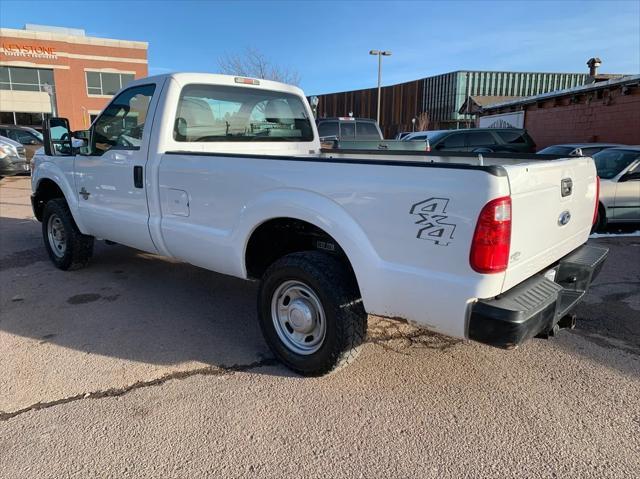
(67,247)
(310,313)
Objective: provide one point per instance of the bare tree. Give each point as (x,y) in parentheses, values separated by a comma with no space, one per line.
(253,63)
(423,121)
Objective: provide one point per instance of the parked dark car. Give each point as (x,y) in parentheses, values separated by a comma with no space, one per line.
(571,149)
(477,140)
(348,128)
(27,137)
(12,158)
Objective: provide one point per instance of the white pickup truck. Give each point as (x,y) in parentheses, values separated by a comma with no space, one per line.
(227,173)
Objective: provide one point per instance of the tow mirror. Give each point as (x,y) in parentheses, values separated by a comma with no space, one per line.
(57,137)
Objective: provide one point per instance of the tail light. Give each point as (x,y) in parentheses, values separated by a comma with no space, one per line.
(595,208)
(492,237)
(428,148)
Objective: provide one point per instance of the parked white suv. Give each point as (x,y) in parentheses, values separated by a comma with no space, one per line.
(227,173)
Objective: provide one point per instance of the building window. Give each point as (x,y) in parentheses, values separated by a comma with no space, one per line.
(23,119)
(101,83)
(25,79)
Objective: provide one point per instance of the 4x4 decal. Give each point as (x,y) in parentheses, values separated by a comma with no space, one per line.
(432,213)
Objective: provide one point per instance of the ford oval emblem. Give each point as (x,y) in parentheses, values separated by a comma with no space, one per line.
(564,218)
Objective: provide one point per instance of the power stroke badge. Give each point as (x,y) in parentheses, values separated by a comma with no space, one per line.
(432,215)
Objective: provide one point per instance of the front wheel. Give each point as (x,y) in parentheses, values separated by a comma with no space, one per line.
(310,313)
(67,247)
(601,220)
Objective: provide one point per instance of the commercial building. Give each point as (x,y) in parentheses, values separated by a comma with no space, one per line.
(442,97)
(604,111)
(52,70)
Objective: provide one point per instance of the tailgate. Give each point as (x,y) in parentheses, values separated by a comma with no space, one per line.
(547,222)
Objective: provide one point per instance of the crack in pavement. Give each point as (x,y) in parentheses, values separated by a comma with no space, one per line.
(384,335)
(116,392)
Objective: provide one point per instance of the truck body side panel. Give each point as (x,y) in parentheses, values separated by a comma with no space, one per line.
(406,230)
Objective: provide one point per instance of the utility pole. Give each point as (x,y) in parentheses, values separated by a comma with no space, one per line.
(380,54)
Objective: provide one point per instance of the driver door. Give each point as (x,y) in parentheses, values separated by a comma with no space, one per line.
(110,180)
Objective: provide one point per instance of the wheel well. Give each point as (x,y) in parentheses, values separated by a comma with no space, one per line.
(278,237)
(47,190)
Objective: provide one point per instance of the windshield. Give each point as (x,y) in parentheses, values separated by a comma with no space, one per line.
(556,150)
(610,163)
(210,113)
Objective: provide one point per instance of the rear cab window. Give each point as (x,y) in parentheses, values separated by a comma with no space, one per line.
(328,128)
(215,113)
(367,130)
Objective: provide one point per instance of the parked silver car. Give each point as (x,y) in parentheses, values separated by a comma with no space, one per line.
(577,149)
(619,172)
(13,159)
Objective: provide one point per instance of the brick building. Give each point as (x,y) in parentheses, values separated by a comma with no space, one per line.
(46,70)
(604,111)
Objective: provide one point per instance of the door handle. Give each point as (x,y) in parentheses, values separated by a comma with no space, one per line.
(137,176)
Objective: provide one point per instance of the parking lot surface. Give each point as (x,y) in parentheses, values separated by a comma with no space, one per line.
(139,366)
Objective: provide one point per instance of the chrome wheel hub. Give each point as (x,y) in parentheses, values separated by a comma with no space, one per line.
(298,317)
(56,235)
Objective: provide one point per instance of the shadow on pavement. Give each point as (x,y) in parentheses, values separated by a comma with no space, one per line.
(609,315)
(144,308)
(128,304)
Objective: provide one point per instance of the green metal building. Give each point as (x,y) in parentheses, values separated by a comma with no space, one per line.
(442,97)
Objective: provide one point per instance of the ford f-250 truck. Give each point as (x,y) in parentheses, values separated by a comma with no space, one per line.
(227,173)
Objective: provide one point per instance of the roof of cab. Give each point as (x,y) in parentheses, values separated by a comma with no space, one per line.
(185,78)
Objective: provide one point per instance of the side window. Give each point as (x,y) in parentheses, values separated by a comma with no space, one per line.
(454,141)
(328,128)
(481,138)
(23,137)
(121,124)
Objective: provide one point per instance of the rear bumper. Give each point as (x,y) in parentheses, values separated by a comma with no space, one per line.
(537,304)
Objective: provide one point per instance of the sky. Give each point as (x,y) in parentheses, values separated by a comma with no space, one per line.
(328,42)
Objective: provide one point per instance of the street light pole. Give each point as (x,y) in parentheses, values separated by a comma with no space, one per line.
(380,54)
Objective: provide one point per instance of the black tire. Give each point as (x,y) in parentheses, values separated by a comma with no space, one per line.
(601,220)
(336,288)
(78,247)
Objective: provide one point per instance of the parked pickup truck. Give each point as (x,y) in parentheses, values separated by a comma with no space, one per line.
(227,173)
(349,133)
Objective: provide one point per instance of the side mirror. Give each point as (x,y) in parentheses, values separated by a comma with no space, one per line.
(57,137)
(631,176)
(82,141)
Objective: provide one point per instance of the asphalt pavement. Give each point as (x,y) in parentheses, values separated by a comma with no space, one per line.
(139,366)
